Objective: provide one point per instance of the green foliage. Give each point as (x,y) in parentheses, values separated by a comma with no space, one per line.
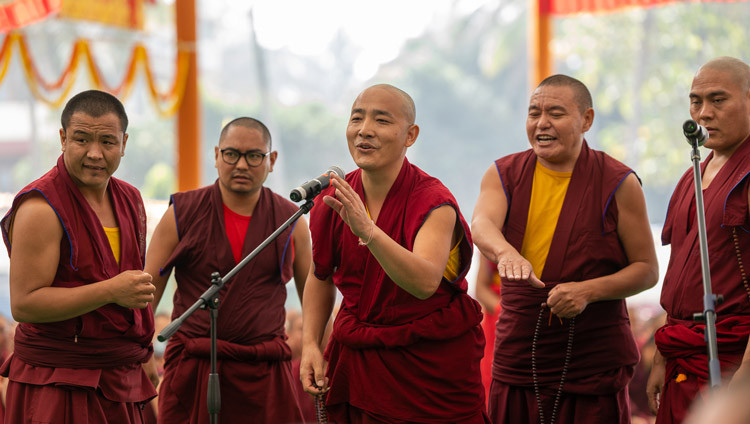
(159,182)
(639,65)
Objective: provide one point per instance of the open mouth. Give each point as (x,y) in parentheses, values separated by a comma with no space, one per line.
(545,139)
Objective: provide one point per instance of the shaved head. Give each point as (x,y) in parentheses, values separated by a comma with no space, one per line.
(409,109)
(250,123)
(739,70)
(580,91)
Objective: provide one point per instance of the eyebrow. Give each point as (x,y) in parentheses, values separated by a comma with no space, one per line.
(711,94)
(549,109)
(374,112)
(245,152)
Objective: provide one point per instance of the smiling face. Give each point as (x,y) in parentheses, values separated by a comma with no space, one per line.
(241,178)
(92,148)
(380,129)
(720,101)
(555,126)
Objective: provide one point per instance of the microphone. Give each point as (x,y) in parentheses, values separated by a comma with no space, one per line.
(313,187)
(694,132)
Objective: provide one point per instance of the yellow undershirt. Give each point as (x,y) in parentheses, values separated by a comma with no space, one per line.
(547,196)
(113,235)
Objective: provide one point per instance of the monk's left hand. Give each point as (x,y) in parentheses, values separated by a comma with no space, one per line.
(567,300)
(151,370)
(350,208)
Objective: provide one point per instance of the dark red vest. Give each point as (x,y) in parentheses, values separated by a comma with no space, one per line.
(252,303)
(111,335)
(585,245)
(682,340)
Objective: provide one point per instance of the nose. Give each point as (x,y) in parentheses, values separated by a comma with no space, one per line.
(366,128)
(543,122)
(243,162)
(94,151)
(705,113)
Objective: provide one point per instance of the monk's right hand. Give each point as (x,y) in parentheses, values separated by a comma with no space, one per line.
(655,383)
(131,289)
(514,267)
(312,371)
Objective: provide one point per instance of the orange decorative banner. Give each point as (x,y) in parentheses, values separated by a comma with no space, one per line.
(19,13)
(565,7)
(54,93)
(120,13)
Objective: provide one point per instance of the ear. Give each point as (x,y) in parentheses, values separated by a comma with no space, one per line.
(124,142)
(411,135)
(272,160)
(588,119)
(62,139)
(216,157)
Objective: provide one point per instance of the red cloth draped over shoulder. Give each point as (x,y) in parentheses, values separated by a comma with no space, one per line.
(725,204)
(585,245)
(392,355)
(104,348)
(253,360)
(681,340)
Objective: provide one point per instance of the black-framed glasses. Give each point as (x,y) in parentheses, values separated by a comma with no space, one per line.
(232,156)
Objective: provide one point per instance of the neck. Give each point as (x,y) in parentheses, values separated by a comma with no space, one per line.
(377,184)
(241,203)
(94,195)
(723,155)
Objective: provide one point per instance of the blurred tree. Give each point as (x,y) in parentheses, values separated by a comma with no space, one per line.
(159,182)
(639,65)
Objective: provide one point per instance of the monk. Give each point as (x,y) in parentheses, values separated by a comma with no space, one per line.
(407,341)
(76,239)
(567,227)
(719,101)
(211,229)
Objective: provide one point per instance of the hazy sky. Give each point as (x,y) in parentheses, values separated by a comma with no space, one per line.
(307,27)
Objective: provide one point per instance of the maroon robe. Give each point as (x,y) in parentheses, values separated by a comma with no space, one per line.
(254,367)
(585,245)
(97,356)
(681,340)
(392,356)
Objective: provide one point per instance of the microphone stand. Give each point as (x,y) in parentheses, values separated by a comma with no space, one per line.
(210,300)
(709,299)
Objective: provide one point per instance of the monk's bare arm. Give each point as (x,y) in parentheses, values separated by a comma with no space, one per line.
(317,305)
(160,248)
(302,255)
(419,271)
(655,382)
(642,272)
(486,229)
(35,240)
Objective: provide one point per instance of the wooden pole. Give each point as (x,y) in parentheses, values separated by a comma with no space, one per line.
(188,116)
(540,41)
